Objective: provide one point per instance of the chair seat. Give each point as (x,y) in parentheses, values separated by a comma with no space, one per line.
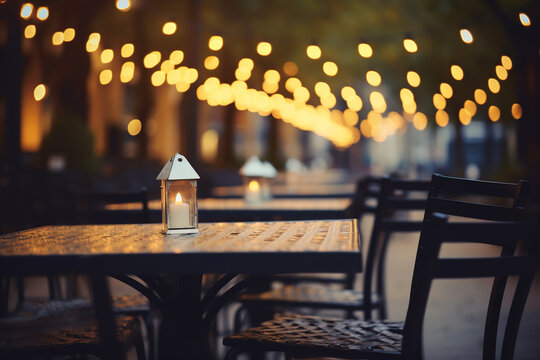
(314,336)
(311,296)
(58,328)
(317,278)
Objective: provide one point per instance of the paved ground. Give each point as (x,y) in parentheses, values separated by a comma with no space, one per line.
(456,308)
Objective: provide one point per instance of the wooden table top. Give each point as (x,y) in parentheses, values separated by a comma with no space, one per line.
(293,190)
(281,246)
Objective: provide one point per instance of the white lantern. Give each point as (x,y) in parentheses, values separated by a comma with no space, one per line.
(256,177)
(179,196)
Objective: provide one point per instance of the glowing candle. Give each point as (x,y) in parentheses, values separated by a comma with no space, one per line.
(179,216)
(253,193)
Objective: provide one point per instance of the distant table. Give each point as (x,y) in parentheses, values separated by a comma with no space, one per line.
(294,190)
(236,209)
(223,248)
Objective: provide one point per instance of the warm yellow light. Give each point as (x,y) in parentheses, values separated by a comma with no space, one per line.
(178,198)
(506,62)
(420,121)
(292,84)
(167,66)
(494,113)
(30,31)
(470,106)
(264,48)
(152,59)
(494,85)
(328,100)
(457,72)
(406,95)
(253,185)
(215,43)
(58,38)
(313,52)
(39,92)
(246,63)
(182,86)
(93,42)
(169,28)
(192,75)
(442,118)
(410,45)
(105,77)
(176,57)
(272,76)
(365,50)
(347,93)
(464,117)
(525,20)
(42,13)
(446,90)
(211,62)
(301,94)
(377,101)
(480,96)
(134,127)
(501,72)
(69,34)
(127,50)
(158,78)
(409,107)
(413,78)
(127,72)
(174,76)
(26,10)
(123,5)
(517,111)
(355,104)
(270,87)
(439,101)
(373,78)
(242,74)
(107,56)
(350,117)
(466,36)
(290,68)
(330,68)
(209,145)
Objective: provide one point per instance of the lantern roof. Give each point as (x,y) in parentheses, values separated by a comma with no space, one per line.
(255,167)
(178,168)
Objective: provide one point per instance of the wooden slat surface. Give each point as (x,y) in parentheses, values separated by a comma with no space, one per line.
(286,246)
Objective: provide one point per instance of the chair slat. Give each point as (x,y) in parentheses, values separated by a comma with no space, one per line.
(472,210)
(452,185)
(482,267)
(492,233)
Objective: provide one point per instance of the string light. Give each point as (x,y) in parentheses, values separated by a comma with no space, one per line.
(107,56)
(525,20)
(466,36)
(365,50)
(470,106)
(290,68)
(446,90)
(169,28)
(176,57)
(494,85)
(158,78)
(517,111)
(215,43)
(264,48)
(410,45)
(134,127)
(457,72)
(501,72)
(506,62)
(464,116)
(413,78)
(30,31)
(105,77)
(26,10)
(439,101)
(420,121)
(152,59)
(127,72)
(127,50)
(480,96)
(42,13)
(441,118)
(69,34)
(494,113)
(330,68)
(58,38)
(39,92)
(211,62)
(373,78)
(93,42)
(313,52)
(123,5)
(378,104)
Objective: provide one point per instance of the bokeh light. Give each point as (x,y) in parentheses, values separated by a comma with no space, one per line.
(410,45)
(123,5)
(373,78)
(264,48)
(365,50)
(446,90)
(330,68)
(215,43)
(69,34)
(313,52)
(494,113)
(39,92)
(466,36)
(127,50)
(42,13)
(134,127)
(413,78)
(169,28)
(480,96)
(517,111)
(524,19)
(457,72)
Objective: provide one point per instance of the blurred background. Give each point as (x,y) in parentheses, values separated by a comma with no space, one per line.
(98,95)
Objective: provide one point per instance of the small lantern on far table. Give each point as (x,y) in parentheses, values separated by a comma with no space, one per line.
(179,196)
(256,175)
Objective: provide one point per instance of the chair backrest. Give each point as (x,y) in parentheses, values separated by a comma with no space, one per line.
(91,207)
(477,200)
(396,198)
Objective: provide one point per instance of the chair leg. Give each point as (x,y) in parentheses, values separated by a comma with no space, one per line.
(150,333)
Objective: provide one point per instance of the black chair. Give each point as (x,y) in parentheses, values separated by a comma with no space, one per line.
(304,336)
(69,328)
(395,201)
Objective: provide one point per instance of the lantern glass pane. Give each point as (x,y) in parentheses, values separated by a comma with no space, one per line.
(180,207)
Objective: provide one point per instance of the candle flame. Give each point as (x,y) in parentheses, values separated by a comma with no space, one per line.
(254,185)
(178,198)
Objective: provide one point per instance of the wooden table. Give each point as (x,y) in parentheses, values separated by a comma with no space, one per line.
(293,190)
(236,209)
(222,248)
